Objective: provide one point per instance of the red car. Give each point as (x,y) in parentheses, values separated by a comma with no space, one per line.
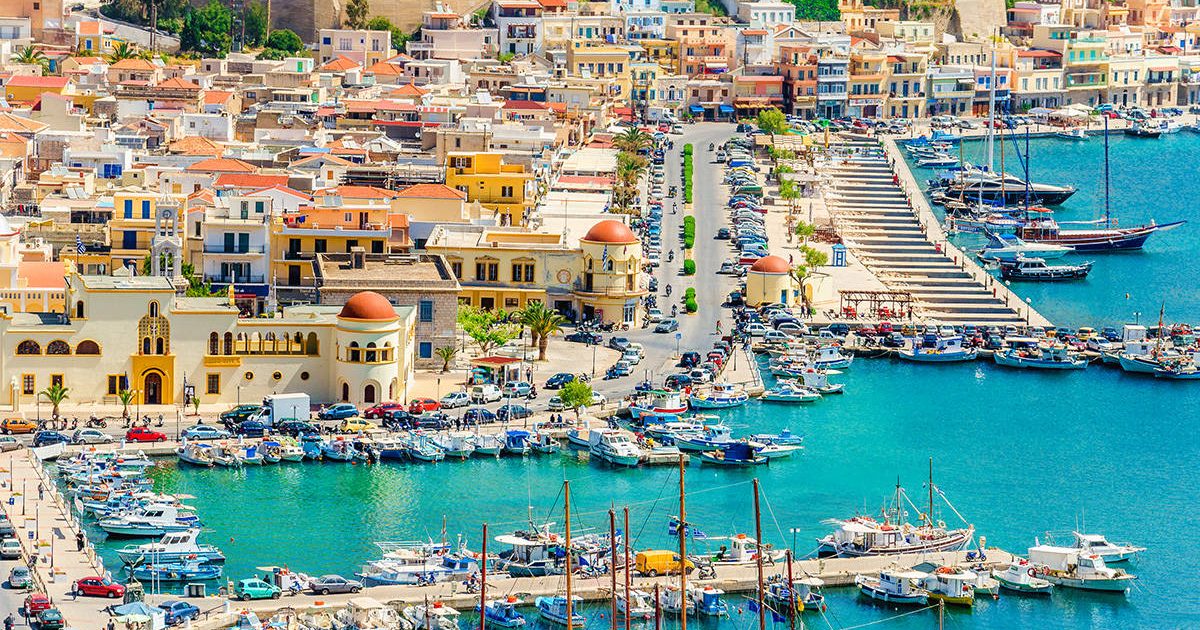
(382,409)
(885,328)
(142,434)
(99,587)
(419,406)
(36,603)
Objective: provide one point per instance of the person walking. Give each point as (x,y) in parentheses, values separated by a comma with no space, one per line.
(9,622)
(79,541)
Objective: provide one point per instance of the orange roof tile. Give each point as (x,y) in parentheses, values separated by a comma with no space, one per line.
(385,68)
(48,83)
(409,89)
(133,63)
(216,97)
(249,180)
(178,83)
(431,191)
(196,145)
(221,165)
(42,274)
(358,192)
(339,64)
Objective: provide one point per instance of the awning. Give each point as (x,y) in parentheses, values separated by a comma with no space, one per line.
(696,109)
(725,109)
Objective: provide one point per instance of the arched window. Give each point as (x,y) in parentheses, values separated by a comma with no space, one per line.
(311,346)
(79,309)
(370,358)
(58,346)
(87,346)
(29,346)
(160,346)
(214,343)
(228,343)
(353,353)
(345,392)
(154,309)
(145,345)
(369,394)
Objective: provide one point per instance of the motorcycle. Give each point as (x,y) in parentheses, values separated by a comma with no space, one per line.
(674,310)
(671,256)
(668,290)
(711,146)
(96,423)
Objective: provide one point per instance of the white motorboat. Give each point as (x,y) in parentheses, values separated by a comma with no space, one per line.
(1071,567)
(743,550)
(435,616)
(1010,247)
(894,586)
(1021,577)
(1111,552)
(672,601)
(615,447)
(641,604)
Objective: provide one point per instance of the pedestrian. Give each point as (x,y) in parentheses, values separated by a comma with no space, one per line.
(79,541)
(9,622)
(41,491)
(111,625)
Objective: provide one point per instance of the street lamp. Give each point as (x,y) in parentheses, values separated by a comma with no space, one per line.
(1137,317)
(1028,310)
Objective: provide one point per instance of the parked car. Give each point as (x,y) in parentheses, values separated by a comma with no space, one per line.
(143,434)
(632,356)
(178,612)
(241,412)
(418,406)
(723,234)
(9,443)
(589,338)
(205,432)
(20,577)
(478,415)
(755,329)
(517,389)
(381,410)
(618,343)
(93,586)
(340,411)
(50,619)
(621,368)
(599,399)
(666,326)
(252,428)
(453,400)
(296,428)
(254,588)
(654,316)
(558,380)
(327,584)
(17,425)
(430,420)
(356,425)
(90,436)
(513,412)
(46,438)
(555,404)
(689,359)
(483,394)
(10,549)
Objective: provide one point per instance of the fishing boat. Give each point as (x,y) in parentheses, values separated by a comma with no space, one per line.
(1070,567)
(1139,130)
(313,446)
(456,444)
(784,438)
(658,402)
(421,448)
(742,550)
(1099,545)
(488,445)
(734,454)
(1026,355)
(818,379)
(804,595)
(667,431)
(719,396)
(393,448)
(290,450)
(1021,577)
(516,442)
(614,447)
(952,585)
(196,454)
(640,604)
(544,442)
(532,553)
(435,616)
(1010,247)
(830,357)
(672,601)
(776,451)
(338,450)
(251,454)
(1074,133)
(789,392)
(708,601)
(894,586)
(150,521)
(554,609)
(711,437)
(177,547)
(503,613)
(1037,269)
(176,572)
(932,348)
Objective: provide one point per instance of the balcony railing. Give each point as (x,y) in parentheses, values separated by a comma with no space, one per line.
(224,249)
(248,279)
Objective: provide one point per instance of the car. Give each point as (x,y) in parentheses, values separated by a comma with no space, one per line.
(252,428)
(599,399)
(689,359)
(700,376)
(618,343)
(666,326)
(429,420)
(792,328)
(839,330)
(485,393)
(327,584)
(94,586)
(418,406)
(241,412)
(10,426)
(50,619)
(632,356)
(254,588)
(178,612)
(381,410)
(774,336)
(296,428)
(90,436)
(723,234)
(558,380)
(20,577)
(340,411)
(517,389)
(144,434)
(513,412)
(654,315)
(589,338)
(9,443)
(45,438)
(356,425)
(205,432)
(755,329)
(555,404)
(6,528)
(621,368)
(10,549)
(35,603)
(478,415)
(453,400)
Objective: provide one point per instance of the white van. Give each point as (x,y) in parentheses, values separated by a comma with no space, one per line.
(481,394)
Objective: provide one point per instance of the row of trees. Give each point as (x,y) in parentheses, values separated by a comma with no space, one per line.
(489,330)
(630,166)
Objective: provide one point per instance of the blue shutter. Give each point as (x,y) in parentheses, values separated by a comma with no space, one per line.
(426,310)
(128,208)
(425,350)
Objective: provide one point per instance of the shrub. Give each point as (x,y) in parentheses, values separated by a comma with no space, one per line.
(689,267)
(690,293)
(690,305)
(687,173)
(689,232)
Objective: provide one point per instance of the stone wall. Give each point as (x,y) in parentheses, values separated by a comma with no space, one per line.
(306,17)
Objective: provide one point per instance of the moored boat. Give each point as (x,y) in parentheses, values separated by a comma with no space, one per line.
(503,613)
(196,454)
(176,572)
(934,349)
(734,454)
(1021,577)
(1036,269)
(894,586)
(719,396)
(554,609)
(789,392)
(1028,353)
(1070,567)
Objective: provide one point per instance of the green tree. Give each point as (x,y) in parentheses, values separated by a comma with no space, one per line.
(55,395)
(817,10)
(126,398)
(356,13)
(574,395)
(488,329)
(255,18)
(805,231)
(206,30)
(772,121)
(122,51)
(284,40)
(34,57)
(399,37)
(197,285)
(543,323)
(446,354)
(632,140)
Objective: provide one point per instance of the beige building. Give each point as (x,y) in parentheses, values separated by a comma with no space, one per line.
(770,281)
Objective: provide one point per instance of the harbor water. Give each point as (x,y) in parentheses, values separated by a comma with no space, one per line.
(1150,180)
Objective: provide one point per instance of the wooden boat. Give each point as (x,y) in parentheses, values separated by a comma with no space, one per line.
(734,454)
(894,587)
(790,392)
(951,585)
(503,613)
(1038,357)
(1076,133)
(1037,269)
(1021,577)
(196,454)
(934,349)
(1138,130)
(1070,567)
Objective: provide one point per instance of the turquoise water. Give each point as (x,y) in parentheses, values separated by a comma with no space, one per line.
(1150,180)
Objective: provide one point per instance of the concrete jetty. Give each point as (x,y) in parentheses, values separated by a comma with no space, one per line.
(890,228)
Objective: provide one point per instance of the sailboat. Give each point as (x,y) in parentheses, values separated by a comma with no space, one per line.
(1105,236)
(560,609)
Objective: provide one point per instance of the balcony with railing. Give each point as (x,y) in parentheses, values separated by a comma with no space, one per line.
(234,249)
(1087,80)
(237,279)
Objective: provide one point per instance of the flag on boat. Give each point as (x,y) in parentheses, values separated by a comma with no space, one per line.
(777,618)
(753,606)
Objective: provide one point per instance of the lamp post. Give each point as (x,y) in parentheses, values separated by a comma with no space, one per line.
(1137,317)
(1028,310)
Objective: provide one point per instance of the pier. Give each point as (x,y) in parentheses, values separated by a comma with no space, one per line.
(893,231)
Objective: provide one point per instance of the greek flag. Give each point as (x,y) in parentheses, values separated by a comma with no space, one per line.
(604,258)
(79,248)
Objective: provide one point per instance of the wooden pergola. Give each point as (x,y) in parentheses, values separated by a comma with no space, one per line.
(895,304)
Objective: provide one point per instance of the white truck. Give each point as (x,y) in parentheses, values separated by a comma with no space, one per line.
(279,407)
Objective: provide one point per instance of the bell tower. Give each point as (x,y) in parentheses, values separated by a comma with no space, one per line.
(166,248)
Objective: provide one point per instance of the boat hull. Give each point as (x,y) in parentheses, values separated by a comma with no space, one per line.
(1024,362)
(891,598)
(1023,588)
(941,357)
(1120,585)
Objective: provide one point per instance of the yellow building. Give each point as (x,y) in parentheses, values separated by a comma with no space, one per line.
(599,62)
(770,281)
(506,189)
(664,52)
(135,216)
(26,89)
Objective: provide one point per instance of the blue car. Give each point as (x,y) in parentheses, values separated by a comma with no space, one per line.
(340,411)
(478,415)
(178,612)
(205,432)
(44,438)
(560,379)
(253,428)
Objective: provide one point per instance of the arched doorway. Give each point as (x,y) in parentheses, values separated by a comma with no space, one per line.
(152,389)
(345,392)
(369,394)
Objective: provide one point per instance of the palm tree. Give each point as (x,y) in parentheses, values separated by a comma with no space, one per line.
(446,354)
(632,140)
(543,323)
(55,395)
(126,398)
(121,51)
(33,56)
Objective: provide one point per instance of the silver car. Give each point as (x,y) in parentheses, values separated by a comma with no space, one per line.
(327,584)
(90,436)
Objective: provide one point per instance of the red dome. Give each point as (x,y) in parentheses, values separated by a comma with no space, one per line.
(369,306)
(610,231)
(771,264)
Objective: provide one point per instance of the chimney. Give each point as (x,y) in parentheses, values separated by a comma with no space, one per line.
(358,257)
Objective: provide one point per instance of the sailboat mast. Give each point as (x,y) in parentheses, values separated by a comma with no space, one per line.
(569,569)
(1107,219)
(791,589)
(1028,156)
(1003,194)
(625,540)
(612,542)
(930,492)
(758,559)
(992,110)
(657,608)
(682,545)
(483,581)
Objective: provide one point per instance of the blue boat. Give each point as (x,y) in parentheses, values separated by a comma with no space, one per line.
(709,603)
(735,454)
(516,442)
(712,438)
(176,572)
(503,613)
(934,349)
(783,438)
(554,609)
(313,445)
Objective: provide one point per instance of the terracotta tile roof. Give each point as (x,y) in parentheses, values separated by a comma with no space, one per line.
(42,274)
(1038,53)
(133,63)
(333,159)
(221,165)
(12,122)
(408,89)
(358,192)
(87,61)
(178,83)
(528,105)
(339,64)
(89,27)
(216,97)
(196,145)
(249,180)
(431,191)
(283,189)
(49,83)
(385,68)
